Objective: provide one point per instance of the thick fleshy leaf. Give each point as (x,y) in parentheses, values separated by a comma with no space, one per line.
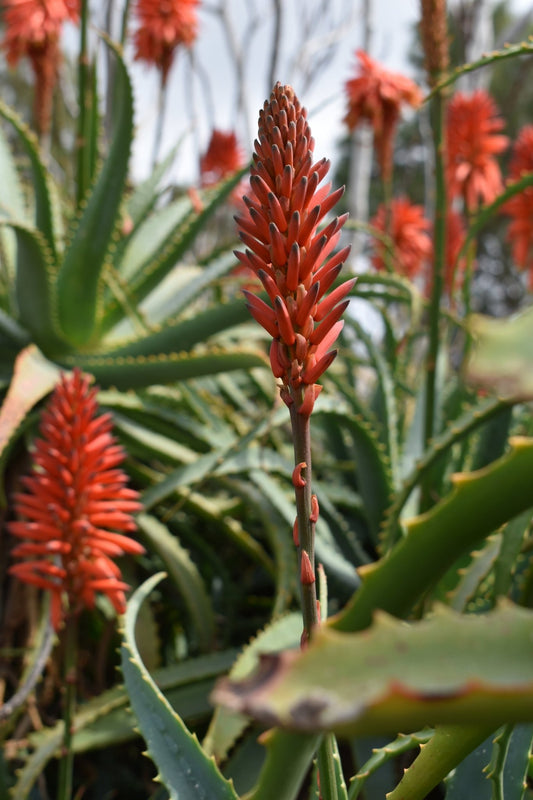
(80,274)
(133,372)
(448,668)
(185,575)
(502,357)
(186,771)
(479,503)
(35,287)
(33,378)
(45,220)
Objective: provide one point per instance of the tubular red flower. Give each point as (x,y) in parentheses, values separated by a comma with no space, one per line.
(409,231)
(377,95)
(33,29)
(520,207)
(163,26)
(73,495)
(294,260)
(472,141)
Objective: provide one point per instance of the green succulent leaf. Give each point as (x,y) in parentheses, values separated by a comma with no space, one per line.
(35,287)
(185,575)
(44,207)
(186,771)
(80,274)
(449,668)
(133,372)
(479,503)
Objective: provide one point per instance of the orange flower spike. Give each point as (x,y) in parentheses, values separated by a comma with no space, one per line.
(75,493)
(377,95)
(520,206)
(164,25)
(33,29)
(295,262)
(473,139)
(410,233)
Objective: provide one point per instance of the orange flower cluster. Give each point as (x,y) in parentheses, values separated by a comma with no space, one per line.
(409,232)
(163,26)
(377,95)
(294,260)
(222,157)
(473,139)
(520,207)
(33,29)
(74,495)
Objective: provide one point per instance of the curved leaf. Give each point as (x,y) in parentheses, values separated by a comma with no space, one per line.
(92,237)
(131,372)
(449,668)
(186,771)
(479,503)
(185,575)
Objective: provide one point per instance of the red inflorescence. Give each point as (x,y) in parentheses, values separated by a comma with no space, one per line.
(410,238)
(222,157)
(472,140)
(75,500)
(163,26)
(295,261)
(33,29)
(376,95)
(520,207)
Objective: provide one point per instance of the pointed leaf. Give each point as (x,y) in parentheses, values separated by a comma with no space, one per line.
(92,237)
(186,771)
(448,669)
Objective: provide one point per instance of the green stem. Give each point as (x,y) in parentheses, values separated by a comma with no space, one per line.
(81,144)
(160,121)
(332,786)
(438,113)
(64,791)
(301,433)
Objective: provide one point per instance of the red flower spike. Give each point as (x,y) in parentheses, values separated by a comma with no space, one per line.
(473,139)
(377,96)
(287,252)
(73,495)
(164,25)
(410,234)
(33,29)
(520,206)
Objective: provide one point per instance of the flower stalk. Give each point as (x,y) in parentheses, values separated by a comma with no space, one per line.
(293,254)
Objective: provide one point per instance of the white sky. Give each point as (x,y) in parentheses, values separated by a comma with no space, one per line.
(186,107)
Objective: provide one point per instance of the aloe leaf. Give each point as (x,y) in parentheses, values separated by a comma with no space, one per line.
(169,253)
(106,719)
(380,756)
(44,207)
(449,746)
(226,727)
(449,669)
(144,196)
(184,334)
(185,575)
(510,759)
(286,765)
(186,771)
(35,287)
(502,357)
(92,235)
(479,503)
(330,778)
(33,377)
(132,372)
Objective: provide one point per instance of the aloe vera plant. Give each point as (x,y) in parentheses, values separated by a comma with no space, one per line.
(411,553)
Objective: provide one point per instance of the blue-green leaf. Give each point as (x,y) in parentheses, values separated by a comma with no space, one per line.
(186,771)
